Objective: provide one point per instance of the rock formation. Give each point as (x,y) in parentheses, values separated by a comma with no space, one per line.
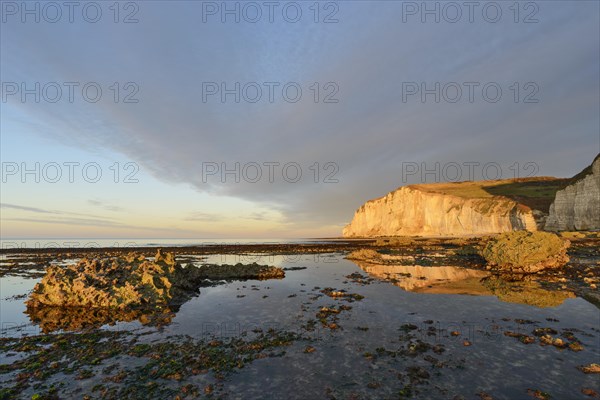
(133,281)
(577,207)
(526,252)
(423,210)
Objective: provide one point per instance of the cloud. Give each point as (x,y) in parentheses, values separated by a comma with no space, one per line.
(72,221)
(216,217)
(43,211)
(104,223)
(23,208)
(256,216)
(201,216)
(368,135)
(105,205)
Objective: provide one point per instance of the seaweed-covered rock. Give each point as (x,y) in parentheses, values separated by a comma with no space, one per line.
(364,254)
(526,252)
(133,281)
(167,258)
(240,271)
(112,283)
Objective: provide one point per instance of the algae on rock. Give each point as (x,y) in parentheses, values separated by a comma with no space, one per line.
(526,252)
(133,281)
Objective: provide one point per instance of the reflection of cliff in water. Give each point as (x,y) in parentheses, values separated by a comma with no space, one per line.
(464,281)
(417,278)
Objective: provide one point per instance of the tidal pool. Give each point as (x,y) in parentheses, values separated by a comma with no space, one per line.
(364,331)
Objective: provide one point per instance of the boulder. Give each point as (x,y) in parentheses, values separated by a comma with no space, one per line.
(526,252)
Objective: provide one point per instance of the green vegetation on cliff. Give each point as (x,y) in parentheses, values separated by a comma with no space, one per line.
(536,193)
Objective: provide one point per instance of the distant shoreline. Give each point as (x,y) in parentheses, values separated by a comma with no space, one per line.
(313,245)
(282,248)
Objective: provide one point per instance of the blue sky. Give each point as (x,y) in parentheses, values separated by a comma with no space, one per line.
(171,136)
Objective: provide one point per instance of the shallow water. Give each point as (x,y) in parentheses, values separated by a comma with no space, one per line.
(493,362)
(71,243)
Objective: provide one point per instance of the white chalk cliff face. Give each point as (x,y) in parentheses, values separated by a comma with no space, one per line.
(411,211)
(577,207)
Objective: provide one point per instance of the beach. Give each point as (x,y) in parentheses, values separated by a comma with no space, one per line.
(422,318)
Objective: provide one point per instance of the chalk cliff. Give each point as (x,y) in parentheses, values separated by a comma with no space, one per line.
(432,210)
(577,206)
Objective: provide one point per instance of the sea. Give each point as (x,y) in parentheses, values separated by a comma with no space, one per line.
(50,243)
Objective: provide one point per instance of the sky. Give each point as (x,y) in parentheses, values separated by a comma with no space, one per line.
(191,119)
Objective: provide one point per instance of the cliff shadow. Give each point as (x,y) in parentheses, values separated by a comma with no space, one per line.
(535,194)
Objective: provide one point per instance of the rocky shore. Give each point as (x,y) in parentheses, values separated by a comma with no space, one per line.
(98,291)
(325,306)
(526,252)
(132,286)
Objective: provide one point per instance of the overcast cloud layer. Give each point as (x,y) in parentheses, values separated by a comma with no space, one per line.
(369,133)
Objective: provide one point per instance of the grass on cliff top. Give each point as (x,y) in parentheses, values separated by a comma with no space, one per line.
(537,193)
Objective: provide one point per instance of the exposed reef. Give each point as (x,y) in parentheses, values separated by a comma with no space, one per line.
(526,252)
(96,291)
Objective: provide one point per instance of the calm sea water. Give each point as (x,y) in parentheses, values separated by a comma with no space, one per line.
(493,362)
(48,243)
